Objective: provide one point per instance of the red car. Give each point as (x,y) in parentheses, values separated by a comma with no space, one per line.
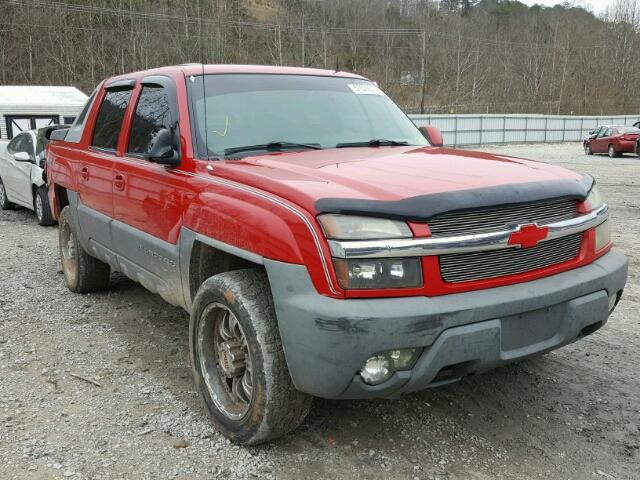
(612,139)
(322,243)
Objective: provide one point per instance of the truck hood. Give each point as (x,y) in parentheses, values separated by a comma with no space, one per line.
(366,180)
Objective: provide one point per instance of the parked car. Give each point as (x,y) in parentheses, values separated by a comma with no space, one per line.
(322,243)
(22,180)
(612,139)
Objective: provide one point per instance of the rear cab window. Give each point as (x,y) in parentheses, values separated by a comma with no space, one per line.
(110,117)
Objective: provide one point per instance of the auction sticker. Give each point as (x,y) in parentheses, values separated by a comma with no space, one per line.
(365,89)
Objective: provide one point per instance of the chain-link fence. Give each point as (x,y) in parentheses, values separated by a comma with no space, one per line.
(481,129)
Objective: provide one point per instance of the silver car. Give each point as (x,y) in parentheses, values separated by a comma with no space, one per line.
(21,175)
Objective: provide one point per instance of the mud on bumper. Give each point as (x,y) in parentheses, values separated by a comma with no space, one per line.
(326,341)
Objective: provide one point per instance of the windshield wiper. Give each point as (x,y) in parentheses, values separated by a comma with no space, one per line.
(272,147)
(378,142)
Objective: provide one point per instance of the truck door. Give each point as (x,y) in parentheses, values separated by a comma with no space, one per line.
(95,167)
(149,198)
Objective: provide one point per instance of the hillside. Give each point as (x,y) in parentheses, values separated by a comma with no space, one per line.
(458,56)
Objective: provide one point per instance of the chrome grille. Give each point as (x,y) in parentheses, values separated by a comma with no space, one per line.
(465,267)
(501,218)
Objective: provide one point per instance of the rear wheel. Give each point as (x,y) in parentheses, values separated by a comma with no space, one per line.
(82,272)
(238,360)
(42,208)
(612,151)
(5,204)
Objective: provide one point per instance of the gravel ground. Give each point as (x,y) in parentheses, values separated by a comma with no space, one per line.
(573,414)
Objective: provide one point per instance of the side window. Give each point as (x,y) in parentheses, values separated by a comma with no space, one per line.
(14,145)
(152,114)
(607,133)
(110,117)
(26,145)
(75,131)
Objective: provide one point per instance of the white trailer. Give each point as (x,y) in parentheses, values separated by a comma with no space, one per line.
(26,107)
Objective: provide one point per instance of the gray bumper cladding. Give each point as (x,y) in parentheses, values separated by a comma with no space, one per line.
(326,341)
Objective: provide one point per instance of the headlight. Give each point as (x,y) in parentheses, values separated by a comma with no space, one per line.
(594,199)
(348,227)
(355,274)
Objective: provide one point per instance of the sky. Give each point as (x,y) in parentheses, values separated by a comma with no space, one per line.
(597,6)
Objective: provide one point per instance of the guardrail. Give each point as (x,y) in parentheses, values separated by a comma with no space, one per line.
(485,129)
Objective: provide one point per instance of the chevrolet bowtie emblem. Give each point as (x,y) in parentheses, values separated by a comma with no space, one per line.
(528,236)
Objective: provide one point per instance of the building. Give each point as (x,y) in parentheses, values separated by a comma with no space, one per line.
(27,107)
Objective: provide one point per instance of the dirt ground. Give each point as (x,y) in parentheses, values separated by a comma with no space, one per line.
(572,414)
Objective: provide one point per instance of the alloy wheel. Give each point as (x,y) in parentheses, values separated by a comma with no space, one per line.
(225,361)
(39,208)
(3,195)
(68,253)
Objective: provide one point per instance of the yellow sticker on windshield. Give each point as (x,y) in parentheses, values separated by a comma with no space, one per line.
(365,89)
(226,127)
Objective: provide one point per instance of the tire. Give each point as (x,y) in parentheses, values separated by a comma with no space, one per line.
(613,153)
(5,204)
(41,207)
(272,406)
(587,149)
(82,272)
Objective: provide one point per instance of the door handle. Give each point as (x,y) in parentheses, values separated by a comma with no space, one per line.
(118,182)
(84,173)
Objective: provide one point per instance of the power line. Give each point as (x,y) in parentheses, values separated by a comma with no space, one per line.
(345,31)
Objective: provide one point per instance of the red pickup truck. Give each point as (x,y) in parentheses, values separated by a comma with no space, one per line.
(322,245)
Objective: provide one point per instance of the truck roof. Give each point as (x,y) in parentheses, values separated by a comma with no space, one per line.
(197,68)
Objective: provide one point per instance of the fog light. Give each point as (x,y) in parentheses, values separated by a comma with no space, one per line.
(376,370)
(381,367)
(612,301)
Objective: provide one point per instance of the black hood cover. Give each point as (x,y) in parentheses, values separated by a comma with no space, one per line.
(425,207)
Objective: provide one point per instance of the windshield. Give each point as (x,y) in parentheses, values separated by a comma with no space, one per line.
(242,110)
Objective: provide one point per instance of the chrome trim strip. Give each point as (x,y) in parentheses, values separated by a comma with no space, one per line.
(277,201)
(480,242)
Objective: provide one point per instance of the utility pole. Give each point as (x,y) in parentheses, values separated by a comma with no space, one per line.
(423,71)
(303,34)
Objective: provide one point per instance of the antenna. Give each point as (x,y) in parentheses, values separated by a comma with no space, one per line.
(204,88)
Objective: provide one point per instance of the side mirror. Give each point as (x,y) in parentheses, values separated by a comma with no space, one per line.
(433,135)
(22,157)
(161,149)
(58,135)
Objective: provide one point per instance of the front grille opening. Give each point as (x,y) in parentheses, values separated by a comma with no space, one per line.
(589,329)
(501,218)
(452,372)
(466,267)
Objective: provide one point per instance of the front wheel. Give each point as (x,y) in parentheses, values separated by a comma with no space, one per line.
(587,149)
(42,208)
(612,151)
(82,272)
(238,360)
(5,204)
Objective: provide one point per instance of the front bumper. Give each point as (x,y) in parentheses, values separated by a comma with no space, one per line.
(326,340)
